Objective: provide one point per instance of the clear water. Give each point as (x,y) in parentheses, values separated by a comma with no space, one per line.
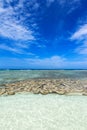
(7,76)
(42,112)
(38,112)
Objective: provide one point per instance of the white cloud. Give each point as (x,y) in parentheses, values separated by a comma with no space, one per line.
(81,37)
(16,32)
(8,48)
(69,2)
(10,27)
(49,2)
(81,33)
(17,49)
(68,6)
(82,49)
(35,6)
(22,45)
(54,62)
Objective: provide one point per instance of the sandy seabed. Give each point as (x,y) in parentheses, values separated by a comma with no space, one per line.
(43,112)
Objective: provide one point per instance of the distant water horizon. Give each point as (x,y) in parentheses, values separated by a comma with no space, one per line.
(38,69)
(13,75)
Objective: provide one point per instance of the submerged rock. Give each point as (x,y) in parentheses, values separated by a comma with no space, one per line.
(11,93)
(46,86)
(2,91)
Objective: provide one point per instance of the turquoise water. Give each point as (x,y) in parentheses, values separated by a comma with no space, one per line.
(7,76)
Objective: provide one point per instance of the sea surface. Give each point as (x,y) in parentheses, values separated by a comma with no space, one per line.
(43,112)
(7,76)
(27,111)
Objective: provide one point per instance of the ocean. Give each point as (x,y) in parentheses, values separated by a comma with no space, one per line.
(29,111)
(8,76)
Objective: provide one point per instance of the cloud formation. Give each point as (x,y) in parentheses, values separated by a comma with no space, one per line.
(82,49)
(51,62)
(17,49)
(10,25)
(8,48)
(80,36)
(54,62)
(41,28)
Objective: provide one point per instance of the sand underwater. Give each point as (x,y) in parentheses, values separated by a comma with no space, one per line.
(43,112)
(27,111)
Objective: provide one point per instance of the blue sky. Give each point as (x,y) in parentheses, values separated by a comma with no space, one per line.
(43,34)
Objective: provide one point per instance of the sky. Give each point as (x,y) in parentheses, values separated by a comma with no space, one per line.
(43,34)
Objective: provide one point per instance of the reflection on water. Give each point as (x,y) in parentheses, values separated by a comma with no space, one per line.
(7,76)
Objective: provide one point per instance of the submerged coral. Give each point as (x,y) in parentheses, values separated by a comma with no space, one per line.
(46,86)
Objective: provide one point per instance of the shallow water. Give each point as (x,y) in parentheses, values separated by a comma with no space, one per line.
(7,76)
(38,112)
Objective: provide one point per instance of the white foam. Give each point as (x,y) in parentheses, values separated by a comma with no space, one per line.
(38,112)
